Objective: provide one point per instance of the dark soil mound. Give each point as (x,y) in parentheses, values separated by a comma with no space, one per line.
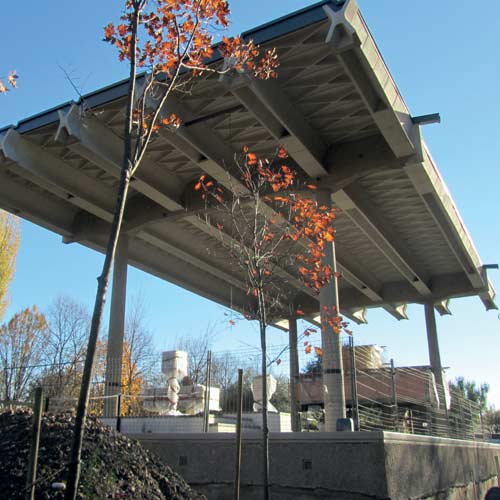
(114,467)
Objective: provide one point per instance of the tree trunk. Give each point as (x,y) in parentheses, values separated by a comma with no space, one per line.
(103,280)
(102,287)
(265,428)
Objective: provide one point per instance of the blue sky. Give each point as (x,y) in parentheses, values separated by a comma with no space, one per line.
(444,58)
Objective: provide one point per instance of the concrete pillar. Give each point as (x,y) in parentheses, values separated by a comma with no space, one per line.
(333,373)
(116,327)
(294,374)
(435,360)
(433,343)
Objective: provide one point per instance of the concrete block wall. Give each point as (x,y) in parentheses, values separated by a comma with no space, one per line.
(350,466)
(425,467)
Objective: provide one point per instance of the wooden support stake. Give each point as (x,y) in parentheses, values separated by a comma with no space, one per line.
(238,436)
(119,412)
(35,441)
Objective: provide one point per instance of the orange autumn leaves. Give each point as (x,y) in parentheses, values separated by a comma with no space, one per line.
(11,82)
(294,228)
(277,184)
(178,34)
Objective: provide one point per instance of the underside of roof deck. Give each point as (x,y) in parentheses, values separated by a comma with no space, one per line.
(338,112)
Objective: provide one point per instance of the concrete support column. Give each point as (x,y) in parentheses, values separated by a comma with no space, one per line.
(433,343)
(116,327)
(294,374)
(333,373)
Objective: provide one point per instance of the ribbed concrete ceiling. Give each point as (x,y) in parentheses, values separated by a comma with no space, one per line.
(339,113)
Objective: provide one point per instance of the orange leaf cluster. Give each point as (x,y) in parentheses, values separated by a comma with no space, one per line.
(302,219)
(178,33)
(11,80)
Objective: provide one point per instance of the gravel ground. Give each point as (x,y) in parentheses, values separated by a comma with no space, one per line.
(114,467)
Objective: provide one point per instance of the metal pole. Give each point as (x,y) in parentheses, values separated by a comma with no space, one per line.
(354,388)
(35,441)
(294,373)
(394,396)
(238,436)
(207,392)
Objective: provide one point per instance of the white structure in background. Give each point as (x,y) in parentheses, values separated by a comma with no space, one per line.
(257,393)
(179,397)
(174,367)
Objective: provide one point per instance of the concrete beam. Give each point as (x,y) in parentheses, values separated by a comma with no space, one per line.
(348,162)
(360,58)
(442,287)
(354,204)
(267,101)
(204,147)
(426,179)
(356,315)
(165,266)
(86,228)
(50,213)
(442,307)
(93,140)
(398,311)
(56,176)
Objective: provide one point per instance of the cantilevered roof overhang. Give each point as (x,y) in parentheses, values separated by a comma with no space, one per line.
(337,110)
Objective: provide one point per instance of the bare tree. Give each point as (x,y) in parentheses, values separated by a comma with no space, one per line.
(68,323)
(139,356)
(225,369)
(22,345)
(197,348)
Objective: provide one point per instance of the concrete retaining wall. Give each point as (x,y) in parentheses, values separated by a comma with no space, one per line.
(350,466)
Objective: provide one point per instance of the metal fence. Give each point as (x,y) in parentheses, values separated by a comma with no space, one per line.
(379,394)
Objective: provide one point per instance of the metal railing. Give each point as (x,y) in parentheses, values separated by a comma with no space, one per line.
(379,396)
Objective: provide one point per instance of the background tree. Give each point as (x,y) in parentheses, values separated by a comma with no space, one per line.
(132,381)
(492,421)
(22,345)
(9,245)
(468,389)
(469,403)
(139,358)
(68,324)
(225,370)
(281,398)
(197,348)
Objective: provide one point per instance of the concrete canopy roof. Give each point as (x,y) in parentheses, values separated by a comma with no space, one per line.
(337,110)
